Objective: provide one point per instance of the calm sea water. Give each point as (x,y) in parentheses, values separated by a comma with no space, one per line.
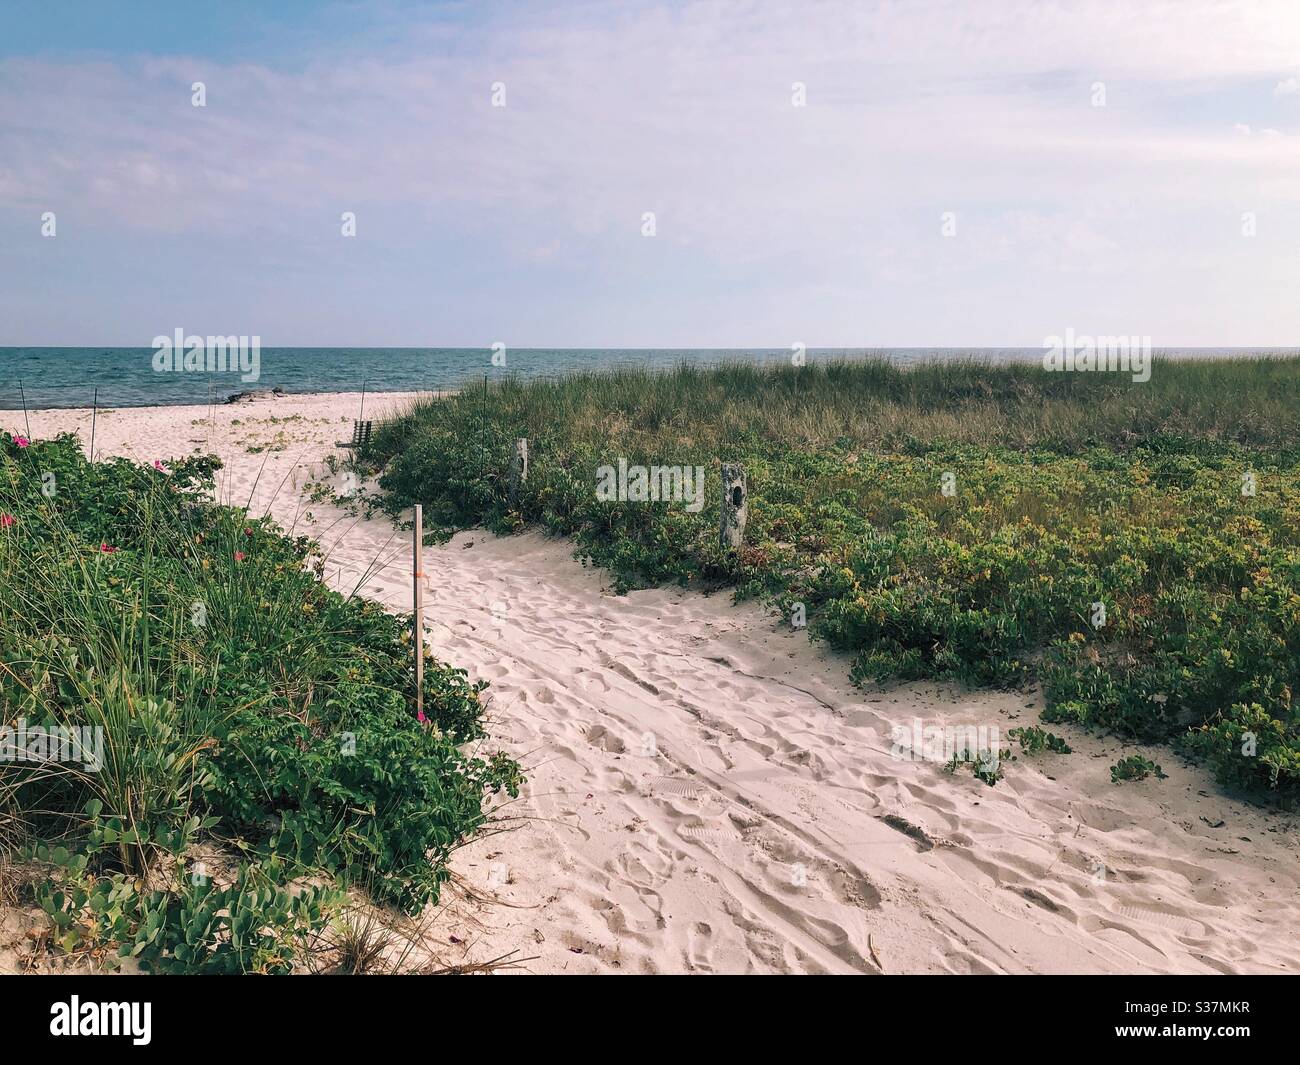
(68,377)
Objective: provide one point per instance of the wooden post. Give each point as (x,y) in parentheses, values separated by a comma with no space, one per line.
(94,417)
(417,624)
(735,505)
(518,469)
(26,422)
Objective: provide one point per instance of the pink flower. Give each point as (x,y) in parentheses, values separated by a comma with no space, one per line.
(420,717)
(248,532)
(106,549)
(157,464)
(6,520)
(240,556)
(21,441)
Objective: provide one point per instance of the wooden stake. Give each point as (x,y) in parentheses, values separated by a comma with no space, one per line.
(94,416)
(735,505)
(26,422)
(519,469)
(417,639)
(482,430)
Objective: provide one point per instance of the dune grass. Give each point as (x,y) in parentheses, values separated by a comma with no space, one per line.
(1136,546)
(871,403)
(241,706)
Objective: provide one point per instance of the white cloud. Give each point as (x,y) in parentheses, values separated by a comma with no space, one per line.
(1246,131)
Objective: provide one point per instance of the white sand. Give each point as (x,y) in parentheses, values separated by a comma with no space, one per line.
(707,791)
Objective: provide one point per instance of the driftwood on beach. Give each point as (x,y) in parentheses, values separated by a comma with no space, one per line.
(255,394)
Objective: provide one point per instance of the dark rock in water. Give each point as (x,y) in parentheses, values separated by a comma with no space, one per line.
(257,393)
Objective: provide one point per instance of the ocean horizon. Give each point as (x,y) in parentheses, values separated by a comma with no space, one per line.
(62,377)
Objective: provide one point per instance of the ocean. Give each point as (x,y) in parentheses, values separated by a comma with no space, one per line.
(125,377)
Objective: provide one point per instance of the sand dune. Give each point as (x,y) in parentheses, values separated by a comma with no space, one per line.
(707,792)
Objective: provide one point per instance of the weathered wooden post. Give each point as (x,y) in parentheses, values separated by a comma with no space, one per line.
(417,637)
(735,505)
(518,469)
(26,422)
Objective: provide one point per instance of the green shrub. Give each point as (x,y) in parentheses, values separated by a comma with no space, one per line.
(1248,747)
(229,684)
(1134,767)
(1035,740)
(185,925)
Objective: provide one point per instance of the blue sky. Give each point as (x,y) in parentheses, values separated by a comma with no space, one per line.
(820,224)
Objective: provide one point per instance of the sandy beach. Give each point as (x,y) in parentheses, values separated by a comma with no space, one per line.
(708,792)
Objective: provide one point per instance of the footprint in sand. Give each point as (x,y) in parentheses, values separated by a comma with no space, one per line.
(602,739)
(679,787)
(591,681)
(699,947)
(1180,926)
(710,832)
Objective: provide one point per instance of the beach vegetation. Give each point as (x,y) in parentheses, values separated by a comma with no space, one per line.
(1134,767)
(242,705)
(1133,546)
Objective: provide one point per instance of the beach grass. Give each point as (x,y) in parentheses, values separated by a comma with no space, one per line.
(1251,401)
(230,703)
(1133,545)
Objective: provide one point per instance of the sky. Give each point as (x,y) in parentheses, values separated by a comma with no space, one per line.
(838,174)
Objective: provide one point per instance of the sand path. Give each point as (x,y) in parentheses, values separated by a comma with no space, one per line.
(707,792)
